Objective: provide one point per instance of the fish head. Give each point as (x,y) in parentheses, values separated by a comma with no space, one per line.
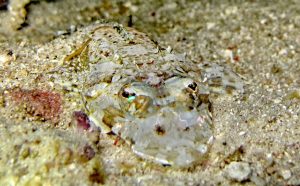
(169,123)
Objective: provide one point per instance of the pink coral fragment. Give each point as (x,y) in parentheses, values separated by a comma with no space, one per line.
(82,119)
(44,104)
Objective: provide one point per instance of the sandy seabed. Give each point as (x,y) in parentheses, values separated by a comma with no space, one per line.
(256,134)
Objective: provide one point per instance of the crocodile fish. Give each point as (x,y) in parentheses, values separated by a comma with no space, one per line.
(153,98)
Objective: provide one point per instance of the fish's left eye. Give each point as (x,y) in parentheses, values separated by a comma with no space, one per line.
(130,96)
(193,86)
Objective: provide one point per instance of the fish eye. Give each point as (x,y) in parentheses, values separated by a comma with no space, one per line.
(130,96)
(193,86)
(125,94)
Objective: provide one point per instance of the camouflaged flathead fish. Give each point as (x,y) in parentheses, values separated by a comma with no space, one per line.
(154,99)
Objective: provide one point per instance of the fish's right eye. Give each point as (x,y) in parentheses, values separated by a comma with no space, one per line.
(193,86)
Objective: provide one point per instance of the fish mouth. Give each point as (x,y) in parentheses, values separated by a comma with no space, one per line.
(171,136)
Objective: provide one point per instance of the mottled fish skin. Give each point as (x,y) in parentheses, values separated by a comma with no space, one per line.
(154,99)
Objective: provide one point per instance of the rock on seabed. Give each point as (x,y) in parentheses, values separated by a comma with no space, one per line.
(238,171)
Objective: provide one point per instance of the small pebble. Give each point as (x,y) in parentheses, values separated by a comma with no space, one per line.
(6,57)
(242,133)
(82,119)
(210,25)
(238,171)
(286,174)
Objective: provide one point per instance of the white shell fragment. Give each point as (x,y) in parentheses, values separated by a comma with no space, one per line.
(238,171)
(154,99)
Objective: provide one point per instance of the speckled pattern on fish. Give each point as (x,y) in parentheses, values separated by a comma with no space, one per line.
(155,99)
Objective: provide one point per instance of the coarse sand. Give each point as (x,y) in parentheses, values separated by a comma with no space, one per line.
(256,134)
